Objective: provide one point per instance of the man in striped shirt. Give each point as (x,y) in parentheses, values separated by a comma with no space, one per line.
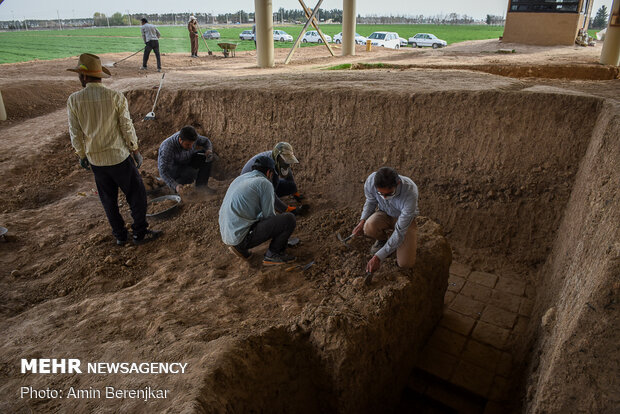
(104,138)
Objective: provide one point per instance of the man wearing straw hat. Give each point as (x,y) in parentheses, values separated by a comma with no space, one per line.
(104,138)
(192,27)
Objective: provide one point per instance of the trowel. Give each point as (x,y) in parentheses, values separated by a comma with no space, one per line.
(344,240)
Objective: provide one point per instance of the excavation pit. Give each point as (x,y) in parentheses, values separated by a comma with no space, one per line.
(505,169)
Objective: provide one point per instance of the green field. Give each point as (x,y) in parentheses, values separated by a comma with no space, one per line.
(53,44)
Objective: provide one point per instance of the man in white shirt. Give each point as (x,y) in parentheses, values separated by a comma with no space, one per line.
(391,204)
(151,36)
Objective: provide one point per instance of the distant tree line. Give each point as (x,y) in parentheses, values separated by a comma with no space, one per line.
(280,16)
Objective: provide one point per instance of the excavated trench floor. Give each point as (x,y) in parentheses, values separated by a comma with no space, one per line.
(495,161)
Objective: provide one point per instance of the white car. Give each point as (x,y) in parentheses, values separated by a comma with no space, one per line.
(359,39)
(427,39)
(246,35)
(282,36)
(385,39)
(313,37)
(403,42)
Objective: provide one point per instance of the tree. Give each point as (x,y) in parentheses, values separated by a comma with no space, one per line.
(600,20)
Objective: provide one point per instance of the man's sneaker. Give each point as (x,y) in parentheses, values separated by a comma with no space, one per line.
(148,236)
(239,252)
(142,67)
(278,259)
(121,242)
(159,70)
(377,246)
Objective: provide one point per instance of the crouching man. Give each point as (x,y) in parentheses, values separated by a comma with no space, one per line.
(247,217)
(391,204)
(184,158)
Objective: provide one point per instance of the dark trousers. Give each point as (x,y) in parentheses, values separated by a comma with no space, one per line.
(284,187)
(197,170)
(277,229)
(154,46)
(126,177)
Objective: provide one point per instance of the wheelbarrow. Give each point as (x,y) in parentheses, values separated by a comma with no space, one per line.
(228,48)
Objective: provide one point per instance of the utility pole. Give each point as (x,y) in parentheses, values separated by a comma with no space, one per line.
(239,16)
(108,19)
(25,24)
(129,16)
(59,22)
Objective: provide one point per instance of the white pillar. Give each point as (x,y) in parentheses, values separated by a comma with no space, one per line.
(263,17)
(348,27)
(610,55)
(2,110)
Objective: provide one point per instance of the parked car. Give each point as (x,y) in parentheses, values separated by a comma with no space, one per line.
(211,34)
(359,39)
(403,42)
(313,37)
(427,39)
(246,35)
(282,36)
(385,39)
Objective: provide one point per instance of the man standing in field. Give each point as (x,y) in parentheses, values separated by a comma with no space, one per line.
(104,138)
(192,27)
(151,36)
(391,204)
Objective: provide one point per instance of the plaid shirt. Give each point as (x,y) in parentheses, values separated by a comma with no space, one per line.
(172,154)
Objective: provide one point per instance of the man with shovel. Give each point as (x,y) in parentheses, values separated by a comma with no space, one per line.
(151,36)
(104,138)
(391,204)
(192,27)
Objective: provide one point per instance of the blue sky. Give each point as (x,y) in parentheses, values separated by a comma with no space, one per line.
(46,9)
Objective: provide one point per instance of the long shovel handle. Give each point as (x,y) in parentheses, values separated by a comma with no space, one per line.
(203,39)
(158,89)
(133,54)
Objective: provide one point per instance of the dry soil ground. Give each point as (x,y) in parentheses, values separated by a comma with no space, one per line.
(67,290)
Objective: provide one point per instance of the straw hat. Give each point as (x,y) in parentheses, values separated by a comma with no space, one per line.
(192,18)
(90,65)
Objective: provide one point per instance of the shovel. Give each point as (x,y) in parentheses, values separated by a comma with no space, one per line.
(344,240)
(151,115)
(116,63)
(368,279)
(205,40)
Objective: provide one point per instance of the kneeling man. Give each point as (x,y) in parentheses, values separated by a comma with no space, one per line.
(391,204)
(247,217)
(184,158)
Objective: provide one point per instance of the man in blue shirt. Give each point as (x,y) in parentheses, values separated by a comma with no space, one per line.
(284,182)
(391,204)
(247,217)
(185,157)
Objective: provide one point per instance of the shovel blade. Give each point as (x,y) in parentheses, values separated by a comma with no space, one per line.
(149,116)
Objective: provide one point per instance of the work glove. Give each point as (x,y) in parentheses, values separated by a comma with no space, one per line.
(298,211)
(298,197)
(84,163)
(137,157)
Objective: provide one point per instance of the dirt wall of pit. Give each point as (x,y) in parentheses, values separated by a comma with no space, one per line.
(495,167)
(576,322)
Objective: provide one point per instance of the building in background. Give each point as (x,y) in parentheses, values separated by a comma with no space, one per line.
(546,22)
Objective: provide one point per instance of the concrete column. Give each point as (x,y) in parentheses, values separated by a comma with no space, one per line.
(2,110)
(348,27)
(610,55)
(264,33)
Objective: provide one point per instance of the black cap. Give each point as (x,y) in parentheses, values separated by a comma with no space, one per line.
(265,162)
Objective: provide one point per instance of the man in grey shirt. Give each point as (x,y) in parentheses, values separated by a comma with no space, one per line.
(185,157)
(151,36)
(391,204)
